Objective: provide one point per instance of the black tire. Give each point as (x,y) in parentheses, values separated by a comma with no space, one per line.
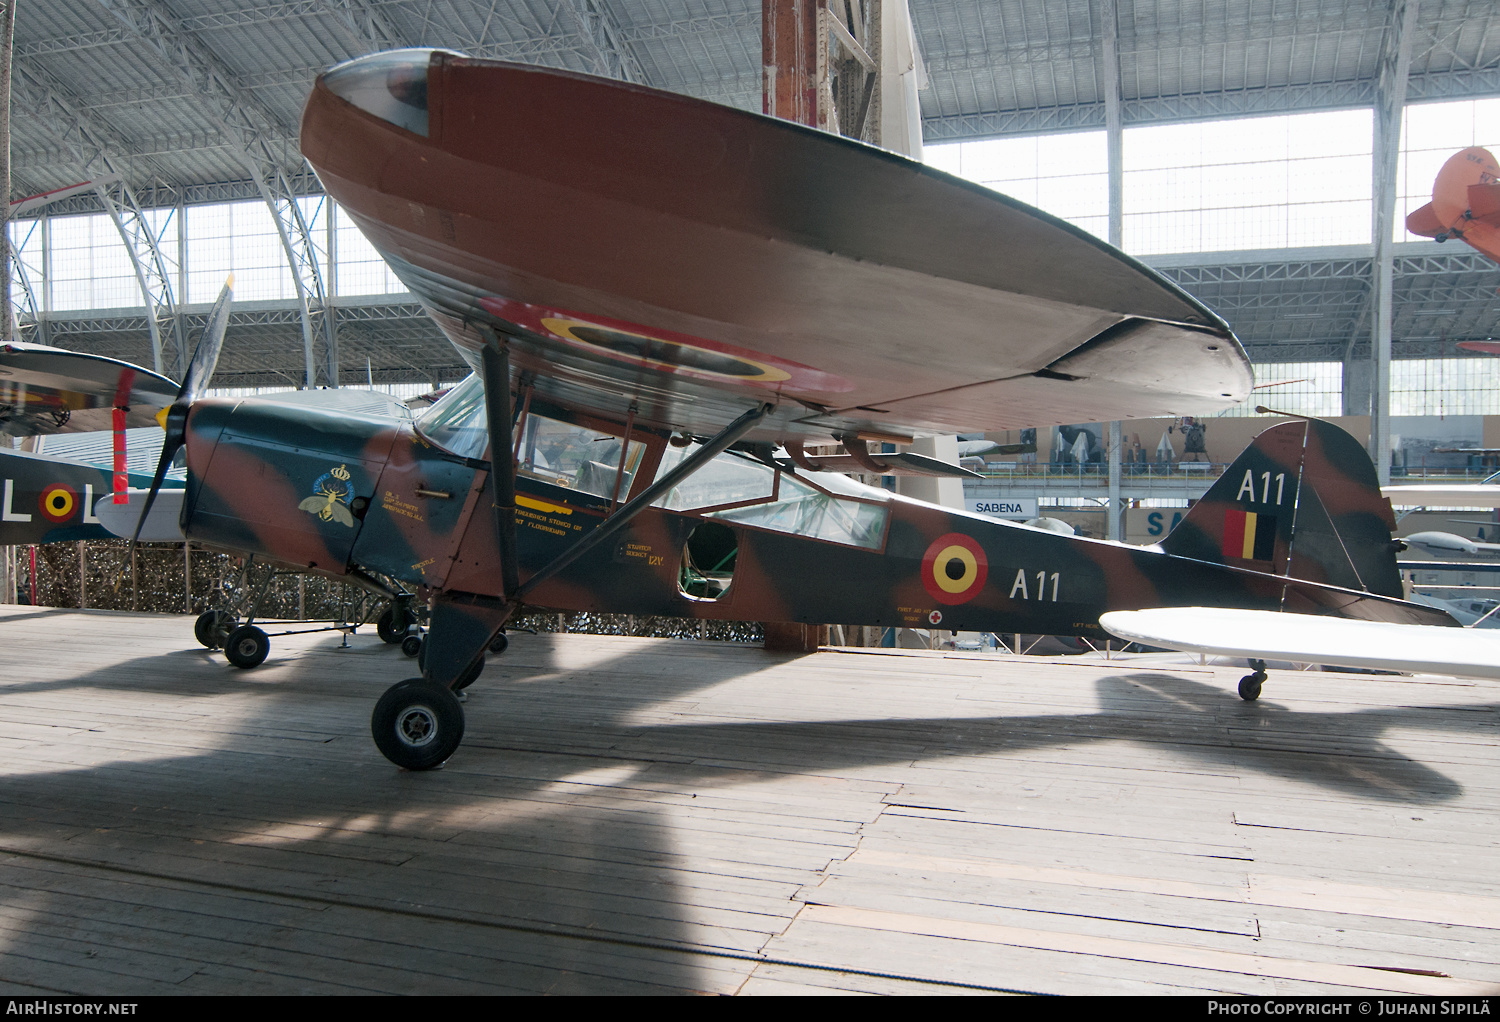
(499,644)
(417,725)
(393,624)
(247,646)
(1250,687)
(411,645)
(213,627)
(469,676)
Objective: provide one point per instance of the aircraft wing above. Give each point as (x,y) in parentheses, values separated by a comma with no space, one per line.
(1313,639)
(52,390)
(1444,495)
(654,255)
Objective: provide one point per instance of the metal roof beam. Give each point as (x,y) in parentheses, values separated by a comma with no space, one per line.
(601,38)
(253,128)
(88,143)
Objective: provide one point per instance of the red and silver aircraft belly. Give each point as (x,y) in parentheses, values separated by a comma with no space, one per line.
(640,247)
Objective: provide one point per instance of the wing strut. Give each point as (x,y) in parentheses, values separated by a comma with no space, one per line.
(502,459)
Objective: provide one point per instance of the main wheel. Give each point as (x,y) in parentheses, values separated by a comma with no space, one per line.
(499,644)
(392,625)
(411,645)
(417,725)
(213,627)
(247,646)
(1250,686)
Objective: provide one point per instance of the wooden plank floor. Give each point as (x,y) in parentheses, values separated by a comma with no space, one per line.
(637,815)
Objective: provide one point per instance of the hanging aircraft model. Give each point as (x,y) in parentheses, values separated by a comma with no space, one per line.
(655,293)
(1465,205)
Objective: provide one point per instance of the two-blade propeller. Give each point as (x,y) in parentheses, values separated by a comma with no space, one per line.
(194,382)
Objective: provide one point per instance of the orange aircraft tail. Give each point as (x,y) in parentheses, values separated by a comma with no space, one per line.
(1465,203)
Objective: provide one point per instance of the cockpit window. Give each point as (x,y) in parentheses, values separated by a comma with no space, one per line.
(390,85)
(577,458)
(457,422)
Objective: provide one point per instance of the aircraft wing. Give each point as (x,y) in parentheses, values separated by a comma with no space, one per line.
(1311,639)
(52,390)
(1444,495)
(654,255)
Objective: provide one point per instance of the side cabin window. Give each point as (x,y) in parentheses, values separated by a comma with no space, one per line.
(739,489)
(577,458)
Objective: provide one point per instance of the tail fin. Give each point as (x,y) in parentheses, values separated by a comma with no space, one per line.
(1302,500)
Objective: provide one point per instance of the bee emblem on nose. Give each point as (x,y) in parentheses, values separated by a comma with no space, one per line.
(330,497)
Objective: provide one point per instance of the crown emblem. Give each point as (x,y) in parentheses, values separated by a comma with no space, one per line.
(341,473)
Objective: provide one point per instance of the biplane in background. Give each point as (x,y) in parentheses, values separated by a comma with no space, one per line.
(665,302)
(45,391)
(1465,205)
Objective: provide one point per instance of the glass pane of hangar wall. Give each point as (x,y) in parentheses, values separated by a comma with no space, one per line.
(1294,181)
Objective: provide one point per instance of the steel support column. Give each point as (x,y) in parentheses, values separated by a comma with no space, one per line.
(789,57)
(1390,102)
(1115,144)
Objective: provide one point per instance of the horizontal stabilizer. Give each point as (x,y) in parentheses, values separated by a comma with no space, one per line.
(161,525)
(1425,222)
(1309,639)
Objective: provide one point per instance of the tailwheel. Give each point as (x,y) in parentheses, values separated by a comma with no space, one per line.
(213,627)
(247,646)
(411,645)
(1250,686)
(499,643)
(417,725)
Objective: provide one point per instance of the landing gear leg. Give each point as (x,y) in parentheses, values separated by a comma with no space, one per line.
(1250,684)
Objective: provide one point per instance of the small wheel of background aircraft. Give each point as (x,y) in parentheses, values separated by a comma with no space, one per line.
(247,646)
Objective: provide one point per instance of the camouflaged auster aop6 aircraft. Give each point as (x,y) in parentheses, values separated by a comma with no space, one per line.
(664,301)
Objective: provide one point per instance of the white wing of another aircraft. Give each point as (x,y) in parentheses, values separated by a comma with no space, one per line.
(1311,639)
(1444,495)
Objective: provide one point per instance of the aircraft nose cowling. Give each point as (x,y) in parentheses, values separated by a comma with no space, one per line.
(287,482)
(390,85)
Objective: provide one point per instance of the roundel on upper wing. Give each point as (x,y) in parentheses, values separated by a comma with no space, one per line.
(954,569)
(59,502)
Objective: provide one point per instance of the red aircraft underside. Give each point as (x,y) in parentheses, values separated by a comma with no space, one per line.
(642,248)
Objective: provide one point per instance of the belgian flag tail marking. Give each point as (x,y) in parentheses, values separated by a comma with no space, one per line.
(1249,536)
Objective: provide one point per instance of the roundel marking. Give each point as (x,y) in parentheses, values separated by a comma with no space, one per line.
(640,346)
(662,353)
(59,502)
(954,569)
